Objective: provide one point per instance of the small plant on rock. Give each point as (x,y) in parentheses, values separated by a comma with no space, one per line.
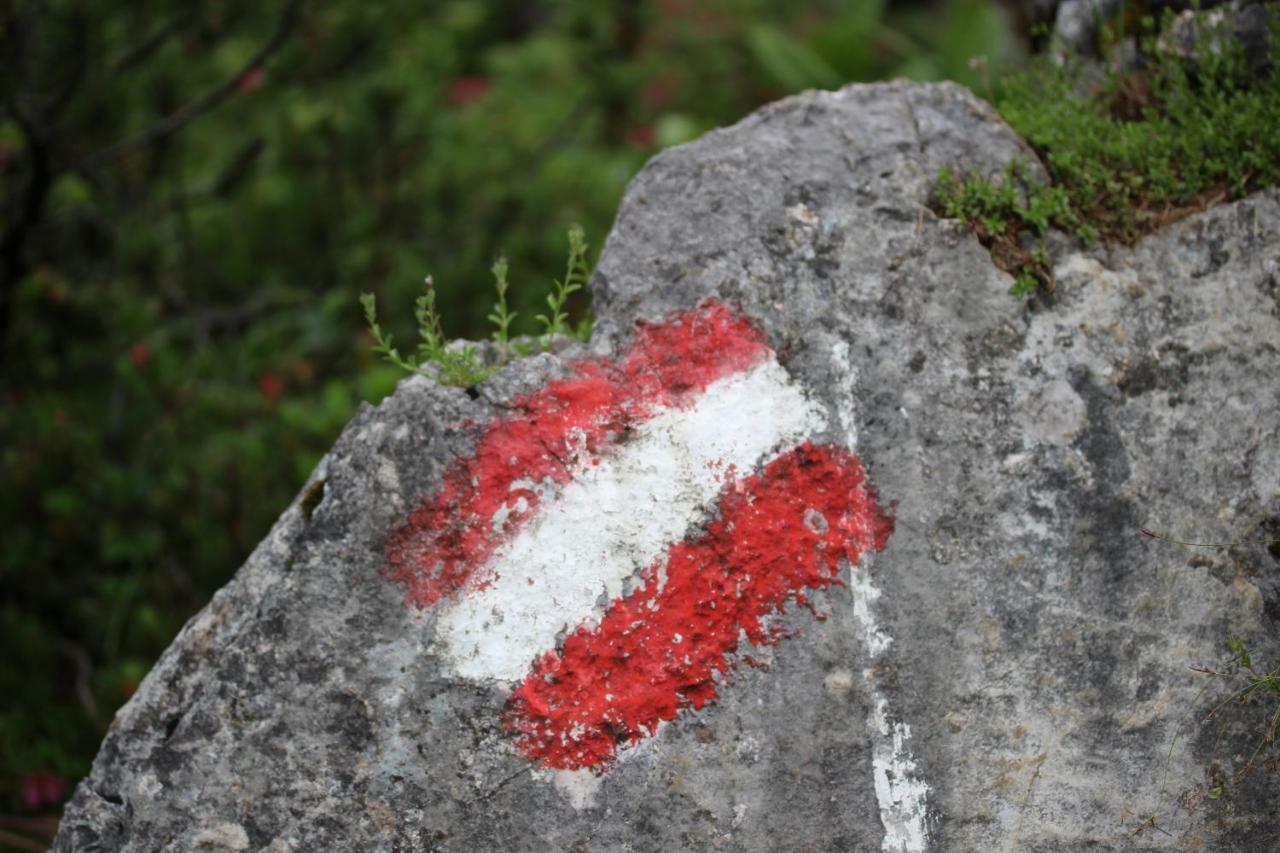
(458,363)
(575,278)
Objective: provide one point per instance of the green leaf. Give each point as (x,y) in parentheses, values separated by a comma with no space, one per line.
(676,129)
(1238,648)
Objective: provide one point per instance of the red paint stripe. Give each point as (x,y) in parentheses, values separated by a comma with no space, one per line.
(658,650)
(445,541)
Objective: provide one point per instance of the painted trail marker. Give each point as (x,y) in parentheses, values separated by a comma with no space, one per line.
(612,542)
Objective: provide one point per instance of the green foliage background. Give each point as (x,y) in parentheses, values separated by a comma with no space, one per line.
(182,338)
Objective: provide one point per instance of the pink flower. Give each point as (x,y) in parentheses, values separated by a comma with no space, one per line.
(42,789)
(140,354)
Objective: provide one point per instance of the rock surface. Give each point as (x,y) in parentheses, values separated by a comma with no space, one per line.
(1011,672)
(1086,29)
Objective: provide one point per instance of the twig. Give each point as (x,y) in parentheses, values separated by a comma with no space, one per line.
(18,842)
(83,680)
(1267,737)
(1168,758)
(30,208)
(1150,823)
(150,44)
(175,121)
(485,795)
(235,171)
(1151,534)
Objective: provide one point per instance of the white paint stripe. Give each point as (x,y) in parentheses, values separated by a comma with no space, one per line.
(900,792)
(615,518)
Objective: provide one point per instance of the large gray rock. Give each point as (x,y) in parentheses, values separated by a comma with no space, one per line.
(1012,672)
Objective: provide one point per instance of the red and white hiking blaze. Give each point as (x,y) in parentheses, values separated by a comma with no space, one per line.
(614,539)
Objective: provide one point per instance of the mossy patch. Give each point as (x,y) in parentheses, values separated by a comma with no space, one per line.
(1127,153)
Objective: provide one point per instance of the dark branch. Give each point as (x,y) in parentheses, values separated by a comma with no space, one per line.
(79,50)
(175,121)
(13,261)
(237,169)
(140,52)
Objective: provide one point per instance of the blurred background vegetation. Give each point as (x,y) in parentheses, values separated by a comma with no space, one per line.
(193,195)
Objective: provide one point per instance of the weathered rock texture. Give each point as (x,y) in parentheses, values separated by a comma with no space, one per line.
(1086,29)
(1010,673)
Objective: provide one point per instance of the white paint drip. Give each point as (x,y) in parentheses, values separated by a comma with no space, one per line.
(900,793)
(617,517)
(847,395)
(864,593)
